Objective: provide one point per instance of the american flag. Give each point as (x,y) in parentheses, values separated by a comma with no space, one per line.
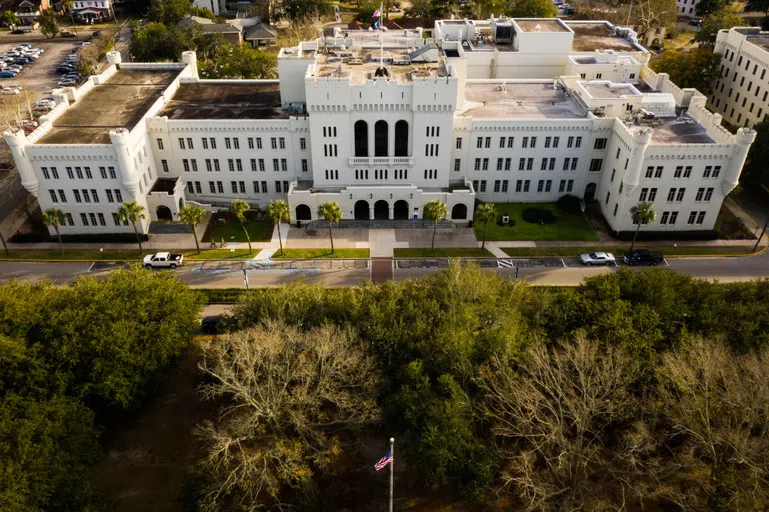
(376,14)
(387,459)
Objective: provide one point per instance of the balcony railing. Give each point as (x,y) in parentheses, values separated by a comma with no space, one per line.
(381,160)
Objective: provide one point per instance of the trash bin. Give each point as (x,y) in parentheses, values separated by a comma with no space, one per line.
(299,223)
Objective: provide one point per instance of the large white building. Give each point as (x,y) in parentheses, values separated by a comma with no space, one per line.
(499,110)
(687,8)
(741,93)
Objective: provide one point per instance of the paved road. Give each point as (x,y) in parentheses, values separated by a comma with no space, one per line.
(722,269)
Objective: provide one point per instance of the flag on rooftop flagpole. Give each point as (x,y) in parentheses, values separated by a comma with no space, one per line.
(376,14)
(376,24)
(384,461)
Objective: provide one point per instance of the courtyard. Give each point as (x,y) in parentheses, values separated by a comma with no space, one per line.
(567,226)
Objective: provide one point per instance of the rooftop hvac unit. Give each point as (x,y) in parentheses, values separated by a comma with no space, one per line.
(502,31)
(296,108)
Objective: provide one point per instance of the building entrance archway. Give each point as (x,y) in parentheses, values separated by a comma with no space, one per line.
(361,210)
(381,210)
(459,212)
(590,192)
(303,212)
(163,212)
(401,210)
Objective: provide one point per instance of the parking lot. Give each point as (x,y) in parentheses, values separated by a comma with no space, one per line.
(39,77)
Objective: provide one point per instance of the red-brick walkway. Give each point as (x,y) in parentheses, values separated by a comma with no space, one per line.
(381,269)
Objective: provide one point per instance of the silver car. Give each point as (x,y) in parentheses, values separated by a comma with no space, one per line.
(597,258)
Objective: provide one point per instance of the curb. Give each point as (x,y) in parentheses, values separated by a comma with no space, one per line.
(31,260)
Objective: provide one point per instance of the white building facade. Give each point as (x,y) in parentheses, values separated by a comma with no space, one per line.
(495,110)
(741,93)
(687,8)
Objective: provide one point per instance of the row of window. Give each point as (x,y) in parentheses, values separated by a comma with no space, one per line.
(84,195)
(234,142)
(384,174)
(527,142)
(80,172)
(92,219)
(524,185)
(233,164)
(681,172)
(524,164)
(431,149)
(237,187)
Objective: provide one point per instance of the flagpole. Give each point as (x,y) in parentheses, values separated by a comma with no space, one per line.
(381,58)
(392,470)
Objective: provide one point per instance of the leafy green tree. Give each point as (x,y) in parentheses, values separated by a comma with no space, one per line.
(755,170)
(239,208)
(436,211)
(705,7)
(45,457)
(642,213)
(204,12)
(300,9)
(9,18)
(532,9)
(333,214)
(169,12)
(49,27)
(712,23)
(696,69)
(158,42)
(279,212)
(485,213)
(192,216)
(365,9)
(132,212)
(238,61)
(55,217)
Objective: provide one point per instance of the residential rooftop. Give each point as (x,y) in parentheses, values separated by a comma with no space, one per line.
(524,100)
(761,40)
(597,36)
(609,90)
(545,25)
(225,101)
(120,102)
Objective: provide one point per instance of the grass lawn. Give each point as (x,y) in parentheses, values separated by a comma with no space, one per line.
(73,254)
(258,230)
(731,227)
(295,254)
(569,227)
(618,251)
(448,252)
(221,254)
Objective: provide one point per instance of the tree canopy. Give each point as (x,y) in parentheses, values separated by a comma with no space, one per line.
(169,12)
(755,170)
(712,23)
(696,68)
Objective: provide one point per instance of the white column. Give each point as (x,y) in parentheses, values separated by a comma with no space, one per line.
(641,139)
(744,138)
(17,141)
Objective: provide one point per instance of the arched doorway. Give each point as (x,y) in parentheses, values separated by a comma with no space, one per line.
(402,138)
(164,213)
(361,138)
(361,210)
(459,212)
(381,138)
(401,210)
(303,212)
(381,210)
(590,192)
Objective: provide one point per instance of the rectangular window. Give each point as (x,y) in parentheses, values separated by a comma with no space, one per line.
(562,186)
(573,164)
(548,185)
(76,193)
(485,164)
(680,195)
(273,142)
(510,141)
(189,143)
(716,171)
(212,186)
(46,175)
(220,187)
(526,184)
(238,164)
(160,144)
(302,143)
(236,143)
(88,174)
(518,185)
(578,142)
(275,165)
(652,194)
(569,185)
(644,193)
(501,142)
(186,165)
(508,163)
(525,142)
(566,162)
(95,196)
(600,144)
(658,173)
(459,143)
(282,140)
(284,165)
(700,218)
(110,197)
(250,141)
(504,186)
(548,141)
(692,217)
(181,143)
(664,218)
(208,165)
(217,168)
(499,163)
(304,165)
(552,165)
(522,164)
(708,195)
(234,185)
(543,167)
(698,196)
(258,143)
(529,164)
(477,166)
(596,164)
(457,164)
(84,219)
(227,143)
(556,140)
(687,172)
(205,142)
(194,165)
(261,165)
(101,219)
(479,142)
(533,142)
(118,196)
(497,186)
(231,163)
(540,185)
(483,185)
(54,199)
(569,142)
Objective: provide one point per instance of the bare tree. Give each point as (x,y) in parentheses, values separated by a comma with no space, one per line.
(292,396)
(551,418)
(716,405)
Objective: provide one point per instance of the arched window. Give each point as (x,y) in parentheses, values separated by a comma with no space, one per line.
(361,138)
(380,138)
(402,138)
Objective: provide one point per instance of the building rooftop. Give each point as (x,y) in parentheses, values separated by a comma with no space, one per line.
(363,63)
(121,102)
(225,101)
(761,40)
(524,100)
(608,91)
(680,130)
(597,36)
(541,26)
(166,185)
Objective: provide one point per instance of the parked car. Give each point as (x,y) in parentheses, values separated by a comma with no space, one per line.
(163,260)
(66,82)
(22,60)
(67,33)
(17,31)
(9,90)
(64,69)
(597,258)
(45,104)
(210,325)
(643,257)
(96,33)
(8,74)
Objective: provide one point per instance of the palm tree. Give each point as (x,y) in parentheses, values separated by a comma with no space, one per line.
(55,218)
(435,210)
(278,212)
(192,216)
(485,213)
(239,207)
(132,212)
(642,213)
(333,214)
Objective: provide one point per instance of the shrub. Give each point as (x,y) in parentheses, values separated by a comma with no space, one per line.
(538,216)
(570,204)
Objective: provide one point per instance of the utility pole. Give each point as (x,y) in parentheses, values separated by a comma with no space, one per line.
(392,470)
(755,247)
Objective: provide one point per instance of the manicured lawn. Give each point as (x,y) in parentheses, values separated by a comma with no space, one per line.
(221,254)
(258,230)
(295,254)
(568,227)
(73,254)
(449,252)
(618,251)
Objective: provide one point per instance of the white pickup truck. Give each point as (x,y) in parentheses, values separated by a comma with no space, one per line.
(163,259)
